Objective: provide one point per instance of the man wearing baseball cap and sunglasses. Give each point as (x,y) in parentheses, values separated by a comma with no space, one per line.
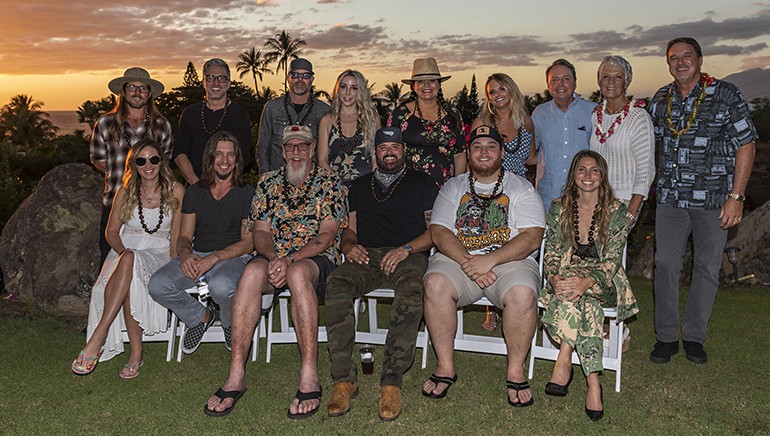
(298,106)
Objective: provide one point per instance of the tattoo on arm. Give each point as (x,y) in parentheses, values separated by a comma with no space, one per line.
(428,214)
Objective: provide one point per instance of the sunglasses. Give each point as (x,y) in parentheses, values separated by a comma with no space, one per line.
(140,161)
(304,76)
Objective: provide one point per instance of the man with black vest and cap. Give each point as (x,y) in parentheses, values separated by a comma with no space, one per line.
(385,246)
(298,107)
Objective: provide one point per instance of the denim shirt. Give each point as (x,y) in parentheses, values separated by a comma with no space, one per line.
(558,137)
(274,119)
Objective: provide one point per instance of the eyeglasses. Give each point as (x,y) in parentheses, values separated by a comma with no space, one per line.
(141,88)
(304,146)
(141,161)
(304,76)
(216,79)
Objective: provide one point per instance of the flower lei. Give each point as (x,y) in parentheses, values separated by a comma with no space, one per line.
(600,110)
(705,81)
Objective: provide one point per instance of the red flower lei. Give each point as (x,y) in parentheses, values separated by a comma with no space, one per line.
(613,127)
(705,81)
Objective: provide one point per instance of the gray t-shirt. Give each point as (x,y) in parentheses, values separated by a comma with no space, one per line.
(217,222)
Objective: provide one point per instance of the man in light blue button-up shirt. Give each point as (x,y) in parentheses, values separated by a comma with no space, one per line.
(562,128)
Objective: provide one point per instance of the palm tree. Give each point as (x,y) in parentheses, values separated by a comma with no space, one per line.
(24,124)
(282,48)
(252,61)
(393,93)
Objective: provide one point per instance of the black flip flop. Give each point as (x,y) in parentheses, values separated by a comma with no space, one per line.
(305,396)
(449,381)
(222,395)
(518,386)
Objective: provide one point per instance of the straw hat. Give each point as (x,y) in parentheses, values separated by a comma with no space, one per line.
(136,74)
(425,69)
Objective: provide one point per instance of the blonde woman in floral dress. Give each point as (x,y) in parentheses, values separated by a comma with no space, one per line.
(586,233)
(346,133)
(431,128)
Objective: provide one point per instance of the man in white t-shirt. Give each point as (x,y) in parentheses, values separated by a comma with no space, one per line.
(487,225)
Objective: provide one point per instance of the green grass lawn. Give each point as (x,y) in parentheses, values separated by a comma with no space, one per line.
(39,394)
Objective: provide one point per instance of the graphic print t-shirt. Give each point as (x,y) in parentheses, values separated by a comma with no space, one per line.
(486,226)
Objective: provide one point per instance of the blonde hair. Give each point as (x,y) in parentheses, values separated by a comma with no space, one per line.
(367,115)
(570,196)
(516,105)
(132,182)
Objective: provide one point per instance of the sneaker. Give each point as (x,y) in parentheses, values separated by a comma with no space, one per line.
(662,351)
(694,352)
(192,336)
(228,337)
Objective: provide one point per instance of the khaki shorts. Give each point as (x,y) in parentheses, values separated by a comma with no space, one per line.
(510,274)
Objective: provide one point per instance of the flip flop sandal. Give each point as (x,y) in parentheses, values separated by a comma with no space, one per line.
(222,395)
(305,396)
(85,365)
(449,381)
(518,386)
(130,371)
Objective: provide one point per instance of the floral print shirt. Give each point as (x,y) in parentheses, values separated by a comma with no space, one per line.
(295,213)
(348,156)
(430,146)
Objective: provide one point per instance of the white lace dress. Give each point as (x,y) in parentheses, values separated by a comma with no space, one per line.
(151,251)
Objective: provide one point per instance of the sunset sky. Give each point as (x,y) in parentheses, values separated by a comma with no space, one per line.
(64,52)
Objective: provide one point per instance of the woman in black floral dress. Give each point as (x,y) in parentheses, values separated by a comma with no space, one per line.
(432,129)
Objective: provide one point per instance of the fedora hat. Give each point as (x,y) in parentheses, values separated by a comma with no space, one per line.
(425,69)
(136,74)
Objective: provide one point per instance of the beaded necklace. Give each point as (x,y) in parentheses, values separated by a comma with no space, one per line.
(344,139)
(308,110)
(589,249)
(141,215)
(483,202)
(219,124)
(127,128)
(429,126)
(290,201)
(705,81)
(391,189)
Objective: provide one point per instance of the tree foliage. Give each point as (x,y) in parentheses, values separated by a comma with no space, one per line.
(283,48)
(252,61)
(90,111)
(533,101)
(760,115)
(24,124)
(191,76)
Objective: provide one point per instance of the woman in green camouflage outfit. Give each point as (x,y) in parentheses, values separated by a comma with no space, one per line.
(587,229)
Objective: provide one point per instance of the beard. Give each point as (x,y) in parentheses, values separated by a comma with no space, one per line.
(297,173)
(136,105)
(223,176)
(487,169)
(390,167)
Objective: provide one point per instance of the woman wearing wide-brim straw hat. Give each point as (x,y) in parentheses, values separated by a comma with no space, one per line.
(431,127)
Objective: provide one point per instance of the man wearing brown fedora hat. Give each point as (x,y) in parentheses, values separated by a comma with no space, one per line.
(216,113)
(298,106)
(134,117)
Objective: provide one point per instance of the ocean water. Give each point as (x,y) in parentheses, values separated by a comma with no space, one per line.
(67,122)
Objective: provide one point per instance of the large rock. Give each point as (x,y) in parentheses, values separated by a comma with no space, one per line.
(752,236)
(49,249)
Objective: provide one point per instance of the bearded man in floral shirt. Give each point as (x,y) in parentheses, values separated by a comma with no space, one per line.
(297,214)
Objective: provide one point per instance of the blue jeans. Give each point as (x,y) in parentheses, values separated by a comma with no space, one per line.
(168,285)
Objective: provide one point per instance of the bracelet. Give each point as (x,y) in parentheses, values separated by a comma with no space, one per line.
(291,258)
(630,216)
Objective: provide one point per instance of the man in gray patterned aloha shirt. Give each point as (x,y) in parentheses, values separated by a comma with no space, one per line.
(705,141)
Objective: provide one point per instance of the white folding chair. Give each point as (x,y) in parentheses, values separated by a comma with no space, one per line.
(377,335)
(168,336)
(613,349)
(215,333)
(287,334)
(468,342)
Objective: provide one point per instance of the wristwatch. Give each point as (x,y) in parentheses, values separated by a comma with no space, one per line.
(408,248)
(737,197)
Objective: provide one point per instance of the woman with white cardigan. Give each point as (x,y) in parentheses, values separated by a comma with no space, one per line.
(623,135)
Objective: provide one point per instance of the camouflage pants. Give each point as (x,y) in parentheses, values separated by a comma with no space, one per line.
(350,281)
(580,324)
